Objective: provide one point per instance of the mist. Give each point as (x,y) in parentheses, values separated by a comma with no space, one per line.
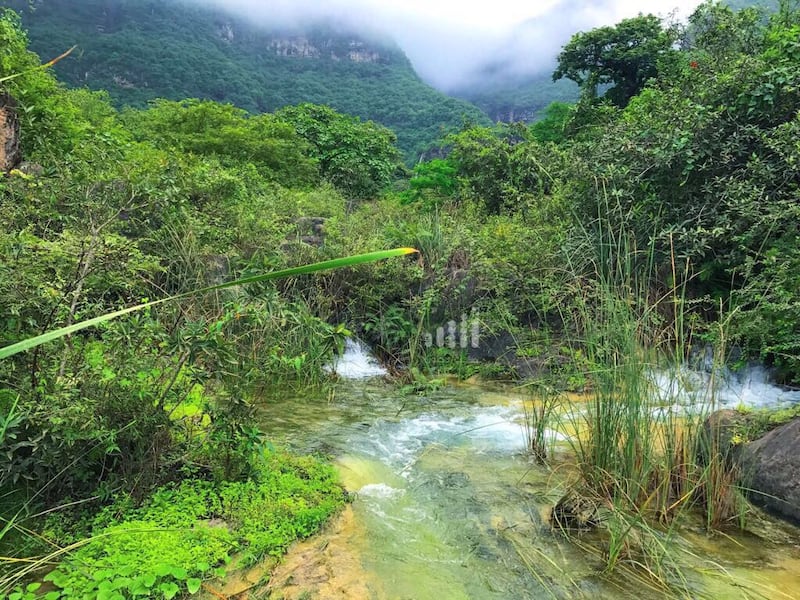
(457,45)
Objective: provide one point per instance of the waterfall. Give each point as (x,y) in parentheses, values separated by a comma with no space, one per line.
(356,362)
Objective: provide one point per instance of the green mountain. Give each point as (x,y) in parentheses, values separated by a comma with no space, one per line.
(139,50)
(511,100)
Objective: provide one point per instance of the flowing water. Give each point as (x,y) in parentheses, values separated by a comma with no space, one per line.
(749,387)
(447,506)
(356,362)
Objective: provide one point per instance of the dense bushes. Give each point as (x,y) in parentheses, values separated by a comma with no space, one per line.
(143,205)
(698,167)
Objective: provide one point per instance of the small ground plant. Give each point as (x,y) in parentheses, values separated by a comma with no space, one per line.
(187,533)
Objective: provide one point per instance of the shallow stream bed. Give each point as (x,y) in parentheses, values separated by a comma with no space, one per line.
(447,506)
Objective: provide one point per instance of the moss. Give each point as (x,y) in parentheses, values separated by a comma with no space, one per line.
(188,532)
(761,422)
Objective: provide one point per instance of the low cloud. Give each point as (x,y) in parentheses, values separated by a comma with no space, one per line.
(456,44)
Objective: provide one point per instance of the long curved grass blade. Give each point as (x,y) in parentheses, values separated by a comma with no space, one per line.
(337,263)
(44,66)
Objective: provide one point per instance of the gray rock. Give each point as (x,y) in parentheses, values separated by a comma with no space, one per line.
(31,168)
(10,153)
(313,240)
(310,231)
(494,346)
(311,225)
(720,430)
(772,466)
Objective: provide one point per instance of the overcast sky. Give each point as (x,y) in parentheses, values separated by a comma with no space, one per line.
(449,41)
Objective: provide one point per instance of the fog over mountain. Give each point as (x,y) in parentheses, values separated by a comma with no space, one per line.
(453,44)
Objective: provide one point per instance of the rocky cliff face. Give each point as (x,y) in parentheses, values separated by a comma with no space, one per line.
(511,114)
(331,47)
(301,47)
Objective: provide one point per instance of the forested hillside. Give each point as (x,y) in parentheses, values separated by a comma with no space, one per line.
(139,50)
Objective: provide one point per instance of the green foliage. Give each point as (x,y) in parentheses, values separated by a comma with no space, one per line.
(228,133)
(540,410)
(46,122)
(433,183)
(766,322)
(359,158)
(552,127)
(719,123)
(721,34)
(567,237)
(112,221)
(183,534)
(391,328)
(498,171)
(625,56)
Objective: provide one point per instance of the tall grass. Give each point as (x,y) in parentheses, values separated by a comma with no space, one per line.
(642,461)
(539,413)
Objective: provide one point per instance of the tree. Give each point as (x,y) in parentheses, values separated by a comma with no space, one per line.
(433,182)
(358,157)
(499,168)
(717,34)
(625,56)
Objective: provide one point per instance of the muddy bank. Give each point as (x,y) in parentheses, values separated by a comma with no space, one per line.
(326,566)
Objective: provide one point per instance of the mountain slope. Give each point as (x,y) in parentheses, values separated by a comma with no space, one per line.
(511,100)
(139,50)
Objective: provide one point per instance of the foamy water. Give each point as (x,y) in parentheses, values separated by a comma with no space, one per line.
(722,388)
(447,504)
(356,362)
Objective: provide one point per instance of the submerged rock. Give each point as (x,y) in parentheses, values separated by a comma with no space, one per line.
(772,465)
(577,509)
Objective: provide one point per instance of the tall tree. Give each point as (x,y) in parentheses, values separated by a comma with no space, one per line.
(624,56)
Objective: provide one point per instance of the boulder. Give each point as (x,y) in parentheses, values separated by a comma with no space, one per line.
(772,468)
(311,230)
(494,346)
(311,225)
(724,429)
(30,168)
(10,154)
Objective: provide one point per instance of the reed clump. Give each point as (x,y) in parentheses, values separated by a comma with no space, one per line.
(645,460)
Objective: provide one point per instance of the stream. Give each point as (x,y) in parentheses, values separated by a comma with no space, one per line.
(447,506)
